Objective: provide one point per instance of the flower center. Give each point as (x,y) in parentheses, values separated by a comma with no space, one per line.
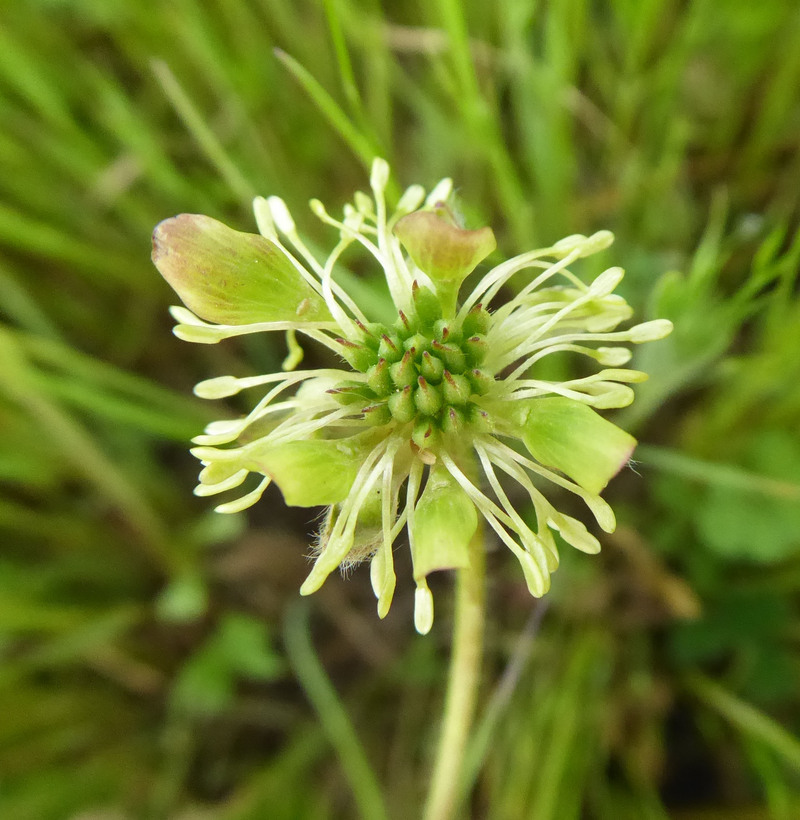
(425,376)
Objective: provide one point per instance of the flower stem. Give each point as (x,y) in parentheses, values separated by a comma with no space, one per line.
(462,685)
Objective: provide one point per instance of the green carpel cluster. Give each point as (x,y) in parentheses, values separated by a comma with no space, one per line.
(423,373)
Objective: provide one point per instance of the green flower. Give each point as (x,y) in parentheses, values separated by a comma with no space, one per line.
(433,409)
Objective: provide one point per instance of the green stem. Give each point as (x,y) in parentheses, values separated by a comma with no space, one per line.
(462,685)
(333,717)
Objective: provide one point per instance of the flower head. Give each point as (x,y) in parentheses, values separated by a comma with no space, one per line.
(431,410)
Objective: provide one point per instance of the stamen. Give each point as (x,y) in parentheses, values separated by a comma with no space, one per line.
(508,456)
(229,430)
(264,221)
(423,607)
(287,380)
(298,426)
(228,484)
(529,334)
(379,251)
(384,582)
(211,334)
(614,336)
(246,500)
(520,526)
(497,277)
(610,356)
(224,386)
(390,255)
(345,322)
(411,199)
(285,224)
(423,600)
(441,192)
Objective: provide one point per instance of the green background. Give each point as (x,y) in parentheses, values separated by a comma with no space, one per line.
(156,662)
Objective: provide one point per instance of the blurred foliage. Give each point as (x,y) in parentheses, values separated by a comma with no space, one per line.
(152,665)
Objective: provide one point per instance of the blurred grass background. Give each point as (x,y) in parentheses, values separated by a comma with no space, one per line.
(155,662)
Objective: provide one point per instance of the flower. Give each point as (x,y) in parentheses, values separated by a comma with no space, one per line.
(434,408)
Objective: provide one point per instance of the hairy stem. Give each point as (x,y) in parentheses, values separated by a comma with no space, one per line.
(462,685)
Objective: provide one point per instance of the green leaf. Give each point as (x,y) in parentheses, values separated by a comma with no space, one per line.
(231,277)
(737,621)
(739,524)
(244,642)
(570,437)
(444,522)
(185,599)
(239,648)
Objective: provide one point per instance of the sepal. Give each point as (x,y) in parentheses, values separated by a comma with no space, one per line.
(230,277)
(569,436)
(311,473)
(445,520)
(441,249)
